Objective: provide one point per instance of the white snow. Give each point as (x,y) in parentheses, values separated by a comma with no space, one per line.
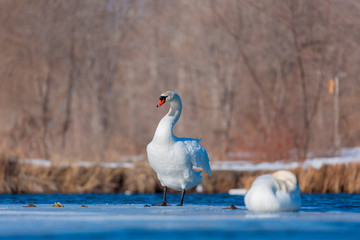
(47,163)
(199,188)
(117,165)
(346,156)
(238,191)
(248,166)
(38,162)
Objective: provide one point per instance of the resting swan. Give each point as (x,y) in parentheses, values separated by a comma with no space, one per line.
(274,192)
(173,158)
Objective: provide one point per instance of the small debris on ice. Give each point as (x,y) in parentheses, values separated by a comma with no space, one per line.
(57,204)
(233,207)
(30,205)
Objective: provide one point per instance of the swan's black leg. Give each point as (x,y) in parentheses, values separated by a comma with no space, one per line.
(182,197)
(164,202)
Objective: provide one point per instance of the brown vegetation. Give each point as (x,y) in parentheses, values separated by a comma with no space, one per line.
(18,177)
(327,179)
(80,79)
(330,178)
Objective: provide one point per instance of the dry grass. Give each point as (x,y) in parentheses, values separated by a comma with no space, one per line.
(18,177)
(327,179)
(330,178)
(10,175)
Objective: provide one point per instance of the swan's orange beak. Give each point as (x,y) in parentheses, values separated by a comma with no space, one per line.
(162,101)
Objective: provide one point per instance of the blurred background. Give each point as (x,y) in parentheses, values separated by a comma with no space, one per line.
(259,80)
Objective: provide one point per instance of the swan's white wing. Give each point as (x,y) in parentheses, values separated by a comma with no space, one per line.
(197,154)
(268,194)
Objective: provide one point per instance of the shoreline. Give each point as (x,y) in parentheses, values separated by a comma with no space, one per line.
(17,177)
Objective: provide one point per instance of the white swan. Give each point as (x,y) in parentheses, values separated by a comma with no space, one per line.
(173,158)
(274,192)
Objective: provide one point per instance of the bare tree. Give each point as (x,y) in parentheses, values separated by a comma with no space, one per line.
(79,78)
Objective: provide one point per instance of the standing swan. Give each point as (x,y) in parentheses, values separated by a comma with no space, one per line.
(173,158)
(274,193)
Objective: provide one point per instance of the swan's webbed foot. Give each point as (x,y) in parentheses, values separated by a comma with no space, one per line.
(164,204)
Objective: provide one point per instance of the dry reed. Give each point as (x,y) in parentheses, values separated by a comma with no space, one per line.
(16,177)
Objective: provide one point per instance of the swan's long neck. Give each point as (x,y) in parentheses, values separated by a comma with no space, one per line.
(164,131)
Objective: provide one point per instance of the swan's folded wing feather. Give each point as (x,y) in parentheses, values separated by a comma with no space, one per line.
(197,154)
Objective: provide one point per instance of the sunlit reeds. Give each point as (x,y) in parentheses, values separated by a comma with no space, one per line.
(19,177)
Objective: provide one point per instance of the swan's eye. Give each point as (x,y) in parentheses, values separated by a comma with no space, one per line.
(162,98)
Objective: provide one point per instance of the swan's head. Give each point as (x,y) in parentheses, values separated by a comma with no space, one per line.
(285,176)
(166,97)
(288,178)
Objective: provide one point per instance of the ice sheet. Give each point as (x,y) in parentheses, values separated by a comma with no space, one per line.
(74,221)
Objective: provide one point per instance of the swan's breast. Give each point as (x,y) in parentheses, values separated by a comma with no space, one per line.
(167,157)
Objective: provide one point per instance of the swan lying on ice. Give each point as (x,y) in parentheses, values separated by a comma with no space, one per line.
(274,192)
(173,158)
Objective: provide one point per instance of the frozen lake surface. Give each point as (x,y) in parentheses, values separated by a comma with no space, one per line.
(115,216)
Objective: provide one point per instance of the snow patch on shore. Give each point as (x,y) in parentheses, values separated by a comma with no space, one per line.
(346,156)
